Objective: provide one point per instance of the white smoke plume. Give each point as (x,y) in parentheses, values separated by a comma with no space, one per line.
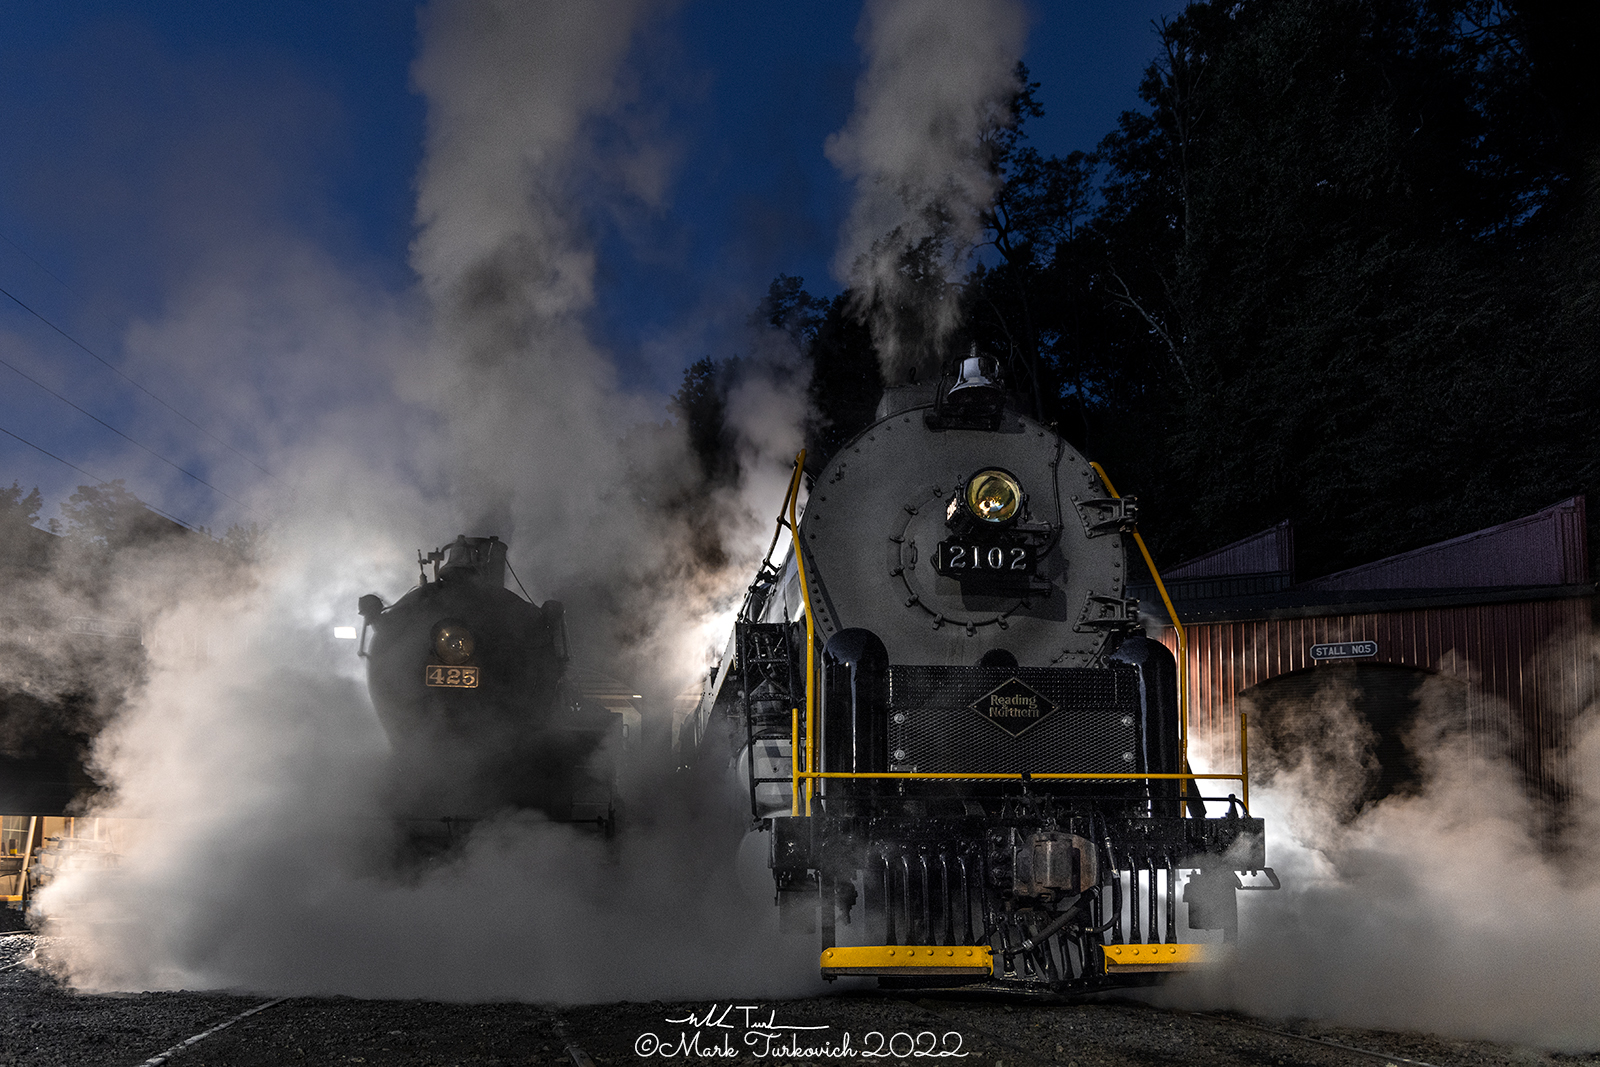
(513,167)
(1460,907)
(264,859)
(508,268)
(262,855)
(940,73)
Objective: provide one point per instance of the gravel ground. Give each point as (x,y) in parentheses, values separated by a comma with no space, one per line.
(43,1023)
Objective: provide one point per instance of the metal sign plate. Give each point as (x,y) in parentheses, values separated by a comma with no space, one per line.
(1013,707)
(1345,650)
(80,624)
(969,559)
(436,674)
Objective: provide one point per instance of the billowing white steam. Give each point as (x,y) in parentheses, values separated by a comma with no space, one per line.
(1460,909)
(508,267)
(265,858)
(939,74)
(620,527)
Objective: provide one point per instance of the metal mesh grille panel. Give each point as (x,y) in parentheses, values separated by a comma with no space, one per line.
(933,728)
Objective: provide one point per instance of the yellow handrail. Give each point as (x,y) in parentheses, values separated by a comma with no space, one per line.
(794,716)
(794,764)
(1244,758)
(1183,669)
(1013,776)
(795,754)
(1172,613)
(811,750)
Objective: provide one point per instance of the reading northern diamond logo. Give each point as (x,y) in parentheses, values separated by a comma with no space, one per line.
(1013,707)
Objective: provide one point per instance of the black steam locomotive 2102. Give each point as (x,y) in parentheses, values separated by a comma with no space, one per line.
(940,707)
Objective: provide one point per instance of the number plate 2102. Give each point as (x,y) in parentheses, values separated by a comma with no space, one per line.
(436,674)
(965,559)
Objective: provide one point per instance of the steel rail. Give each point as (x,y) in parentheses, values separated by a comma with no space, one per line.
(1385,1056)
(162,1057)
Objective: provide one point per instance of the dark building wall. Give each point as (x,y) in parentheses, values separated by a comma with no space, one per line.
(1528,668)
(1506,611)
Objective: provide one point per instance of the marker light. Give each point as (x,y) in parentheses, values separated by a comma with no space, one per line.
(452,643)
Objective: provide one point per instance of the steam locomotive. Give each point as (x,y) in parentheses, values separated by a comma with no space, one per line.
(942,713)
(469,682)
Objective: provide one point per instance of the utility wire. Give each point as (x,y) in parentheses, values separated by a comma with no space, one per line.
(94,477)
(23,252)
(124,377)
(124,436)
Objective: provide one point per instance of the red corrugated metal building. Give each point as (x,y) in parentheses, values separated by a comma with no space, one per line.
(1501,617)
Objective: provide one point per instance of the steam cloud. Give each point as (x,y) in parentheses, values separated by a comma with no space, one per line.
(532,405)
(265,857)
(939,75)
(1461,907)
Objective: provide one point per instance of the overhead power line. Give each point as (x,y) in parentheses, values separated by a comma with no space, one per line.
(94,477)
(117,371)
(122,435)
(23,252)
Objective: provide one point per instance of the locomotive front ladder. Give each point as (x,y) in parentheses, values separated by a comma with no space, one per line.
(767,692)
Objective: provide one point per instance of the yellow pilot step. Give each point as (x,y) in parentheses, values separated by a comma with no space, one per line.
(1127,959)
(970,960)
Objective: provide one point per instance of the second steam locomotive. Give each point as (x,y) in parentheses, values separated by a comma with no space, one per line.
(470,683)
(969,760)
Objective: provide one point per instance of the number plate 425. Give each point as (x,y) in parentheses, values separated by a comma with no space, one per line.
(965,559)
(436,674)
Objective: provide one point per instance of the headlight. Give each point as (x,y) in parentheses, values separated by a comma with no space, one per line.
(993,496)
(452,643)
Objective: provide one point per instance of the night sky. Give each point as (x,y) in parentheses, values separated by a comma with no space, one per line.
(165,164)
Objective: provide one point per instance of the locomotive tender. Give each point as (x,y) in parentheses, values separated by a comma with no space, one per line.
(944,714)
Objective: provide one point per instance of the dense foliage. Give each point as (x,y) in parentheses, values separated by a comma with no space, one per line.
(1340,269)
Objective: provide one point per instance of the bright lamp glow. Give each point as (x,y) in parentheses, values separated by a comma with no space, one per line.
(453,643)
(345,633)
(994,496)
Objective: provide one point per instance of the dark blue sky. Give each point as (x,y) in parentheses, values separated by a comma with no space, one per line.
(143,142)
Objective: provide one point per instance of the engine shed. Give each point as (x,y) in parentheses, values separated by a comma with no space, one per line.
(1494,626)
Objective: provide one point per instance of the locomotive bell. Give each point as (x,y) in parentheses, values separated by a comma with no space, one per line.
(476,559)
(978,393)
